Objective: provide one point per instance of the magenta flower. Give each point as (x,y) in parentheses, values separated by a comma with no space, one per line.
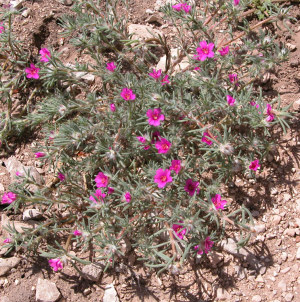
(110,190)
(233,78)
(127,94)
(218,203)
(155,74)
(127,196)
(191,186)
(230,100)
(77,233)
(204,246)
(176,165)
(163,146)
(177,7)
(112,107)
(270,116)
(204,51)
(162,177)
(186,7)
(45,55)
(197,68)
(18,173)
(7,240)
(101,180)
(205,138)
(111,66)
(8,197)
(32,72)
(39,154)
(236,2)
(155,116)
(141,139)
(224,51)
(179,230)
(56,264)
(252,103)
(165,80)
(254,165)
(99,195)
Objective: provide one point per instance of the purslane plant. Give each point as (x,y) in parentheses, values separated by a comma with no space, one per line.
(141,160)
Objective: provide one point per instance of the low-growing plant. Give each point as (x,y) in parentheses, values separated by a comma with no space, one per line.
(143,159)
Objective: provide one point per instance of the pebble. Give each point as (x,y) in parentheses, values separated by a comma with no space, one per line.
(256,298)
(284,256)
(110,294)
(276,219)
(215,258)
(31,214)
(294,62)
(92,272)
(298,253)
(296,105)
(291,47)
(46,291)
(68,2)
(290,232)
(260,228)
(6,264)
(288,297)
(223,295)
(282,285)
(87,291)
(285,270)
(141,32)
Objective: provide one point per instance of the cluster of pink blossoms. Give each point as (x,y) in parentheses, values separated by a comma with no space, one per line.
(32,72)
(45,55)
(179,230)
(182,6)
(101,182)
(56,264)
(99,195)
(224,51)
(156,74)
(8,198)
(270,116)
(162,177)
(218,203)
(233,78)
(191,186)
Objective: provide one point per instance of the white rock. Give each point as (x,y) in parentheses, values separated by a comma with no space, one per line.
(110,294)
(89,78)
(16,4)
(259,228)
(276,219)
(296,105)
(26,13)
(282,285)
(92,271)
(223,295)
(155,19)
(288,297)
(291,47)
(141,32)
(215,258)
(298,253)
(46,291)
(6,264)
(256,298)
(149,11)
(31,214)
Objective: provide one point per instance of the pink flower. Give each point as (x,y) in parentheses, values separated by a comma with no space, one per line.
(127,94)
(233,78)
(186,7)
(110,190)
(165,80)
(45,55)
(204,51)
(230,100)
(155,74)
(61,176)
(163,146)
(179,230)
(127,196)
(39,154)
(191,186)
(270,116)
(176,165)
(197,68)
(99,195)
(162,177)
(205,139)
(18,173)
(77,233)
(177,6)
(204,246)
(8,197)
(7,240)
(56,264)
(1,28)
(111,66)
(269,109)
(218,203)
(141,139)
(252,103)
(155,116)
(32,72)
(254,165)
(101,180)
(236,2)
(224,51)
(112,107)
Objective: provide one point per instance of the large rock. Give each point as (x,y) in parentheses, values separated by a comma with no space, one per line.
(19,226)
(110,294)
(174,56)
(46,291)
(6,264)
(142,32)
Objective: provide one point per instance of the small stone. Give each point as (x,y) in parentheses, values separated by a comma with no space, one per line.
(298,253)
(17,282)
(32,214)
(26,13)
(282,285)
(17,4)
(149,11)
(259,228)
(46,291)
(240,271)
(290,232)
(294,62)
(276,219)
(286,197)
(291,47)
(274,191)
(141,32)
(87,291)
(223,295)
(215,258)
(288,297)
(284,256)
(89,78)
(156,18)
(110,294)
(6,264)
(68,2)
(259,278)
(256,298)
(296,105)
(285,270)
(92,271)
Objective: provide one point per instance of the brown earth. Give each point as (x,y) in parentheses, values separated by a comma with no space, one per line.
(269,273)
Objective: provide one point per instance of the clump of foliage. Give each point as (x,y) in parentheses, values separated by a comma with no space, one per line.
(140,160)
